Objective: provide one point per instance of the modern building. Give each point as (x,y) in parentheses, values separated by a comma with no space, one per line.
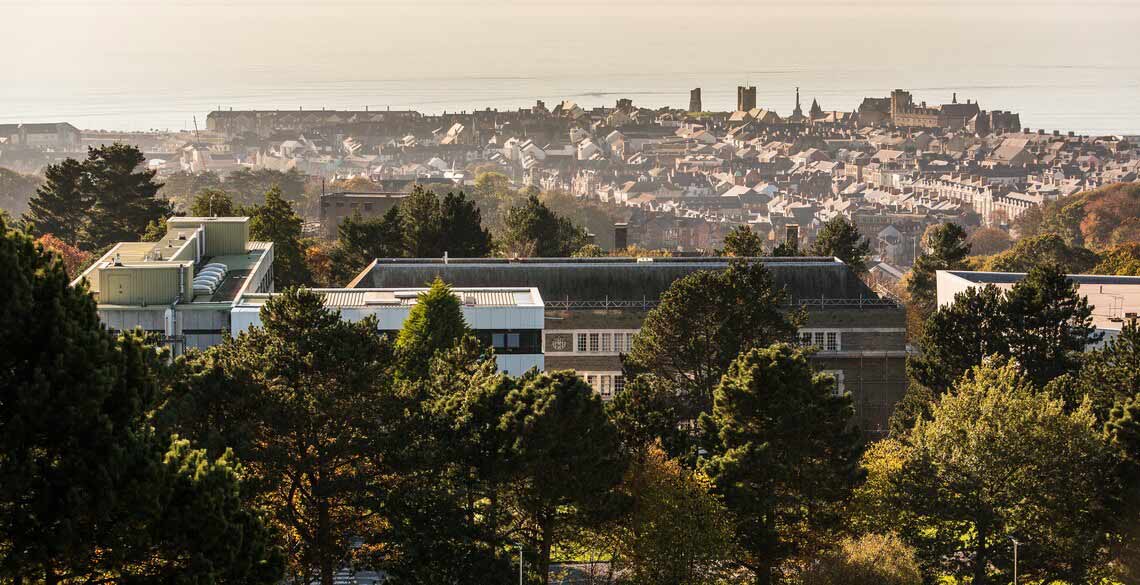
(508,319)
(335,207)
(184,286)
(595,306)
(1115,300)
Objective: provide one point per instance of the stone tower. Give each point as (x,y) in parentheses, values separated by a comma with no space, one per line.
(745,98)
(695,100)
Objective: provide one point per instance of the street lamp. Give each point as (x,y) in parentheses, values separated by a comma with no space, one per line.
(1015,545)
(521,562)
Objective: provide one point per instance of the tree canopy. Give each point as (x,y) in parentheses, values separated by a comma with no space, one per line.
(742,242)
(532,229)
(840,238)
(944,248)
(275,221)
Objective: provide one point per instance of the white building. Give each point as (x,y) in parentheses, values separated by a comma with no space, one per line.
(508,319)
(1115,300)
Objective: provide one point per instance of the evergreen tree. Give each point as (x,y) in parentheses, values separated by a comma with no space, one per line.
(783,454)
(703,322)
(839,238)
(463,233)
(1050,324)
(566,459)
(276,222)
(1111,374)
(308,403)
(434,324)
(213,203)
(16,190)
(532,229)
(360,241)
(742,242)
(1123,432)
(61,204)
(944,248)
(422,221)
(88,492)
(123,197)
(958,336)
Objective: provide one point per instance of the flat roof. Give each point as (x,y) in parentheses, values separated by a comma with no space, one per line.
(1016,277)
(343,298)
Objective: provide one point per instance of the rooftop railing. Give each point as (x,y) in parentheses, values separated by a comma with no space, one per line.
(646,304)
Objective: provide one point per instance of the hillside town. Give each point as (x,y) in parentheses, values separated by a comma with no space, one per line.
(680,178)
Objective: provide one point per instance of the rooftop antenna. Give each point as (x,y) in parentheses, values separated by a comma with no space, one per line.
(197,138)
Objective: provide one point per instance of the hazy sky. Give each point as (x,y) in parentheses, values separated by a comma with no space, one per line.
(247,46)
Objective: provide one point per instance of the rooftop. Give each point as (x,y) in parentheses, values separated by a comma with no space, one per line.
(406,297)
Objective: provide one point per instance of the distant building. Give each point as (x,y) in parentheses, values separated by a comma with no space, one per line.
(335,207)
(1115,300)
(595,308)
(695,100)
(745,98)
(57,136)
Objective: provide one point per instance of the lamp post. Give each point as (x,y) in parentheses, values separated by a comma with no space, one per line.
(520,562)
(1015,545)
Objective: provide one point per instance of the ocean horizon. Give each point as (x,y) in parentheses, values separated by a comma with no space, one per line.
(1081,99)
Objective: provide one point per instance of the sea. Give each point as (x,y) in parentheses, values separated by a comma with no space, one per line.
(1082,99)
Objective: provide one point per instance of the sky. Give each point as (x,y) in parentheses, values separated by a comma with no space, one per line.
(242,50)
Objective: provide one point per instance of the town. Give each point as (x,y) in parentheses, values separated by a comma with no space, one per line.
(679,179)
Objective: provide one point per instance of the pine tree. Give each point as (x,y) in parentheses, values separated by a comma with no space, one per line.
(123,196)
(433,325)
(463,234)
(61,204)
(742,242)
(945,248)
(532,229)
(276,222)
(213,203)
(839,238)
(783,453)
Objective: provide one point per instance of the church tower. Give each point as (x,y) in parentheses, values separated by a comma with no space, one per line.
(798,113)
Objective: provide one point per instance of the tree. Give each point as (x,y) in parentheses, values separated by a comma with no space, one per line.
(73,258)
(959,336)
(872,559)
(783,454)
(88,492)
(988,241)
(248,186)
(705,320)
(532,229)
(589,251)
(16,190)
(181,187)
(361,240)
(742,242)
(677,532)
(840,238)
(123,197)
(1042,321)
(1111,375)
(61,204)
(276,222)
(423,224)
(1121,260)
(213,203)
(1029,253)
(1050,324)
(434,324)
(1123,433)
(996,460)
(566,458)
(314,396)
(463,234)
(944,248)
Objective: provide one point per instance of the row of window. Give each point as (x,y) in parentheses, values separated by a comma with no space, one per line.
(823,339)
(603,341)
(526,341)
(606,384)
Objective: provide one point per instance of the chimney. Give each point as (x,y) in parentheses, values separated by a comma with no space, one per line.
(621,236)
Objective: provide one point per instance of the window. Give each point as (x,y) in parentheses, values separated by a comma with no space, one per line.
(513,340)
(832,341)
(619,384)
(605,384)
(607,342)
(590,380)
(498,340)
(594,338)
(818,339)
(581,343)
(838,389)
(805,338)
